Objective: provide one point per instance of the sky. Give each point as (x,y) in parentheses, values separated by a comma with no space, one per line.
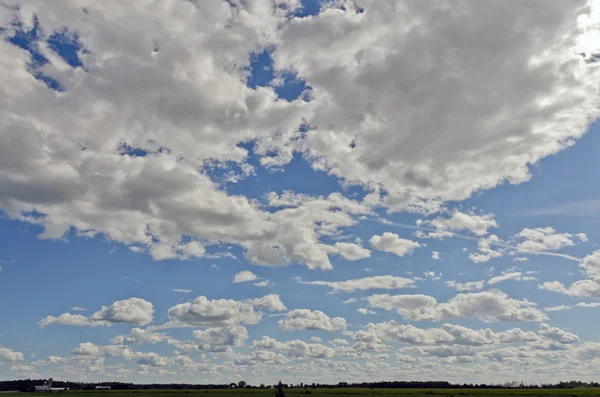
(305,191)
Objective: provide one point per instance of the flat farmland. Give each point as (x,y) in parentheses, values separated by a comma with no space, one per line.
(335,392)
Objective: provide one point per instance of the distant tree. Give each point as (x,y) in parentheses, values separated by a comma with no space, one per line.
(242,384)
(262,385)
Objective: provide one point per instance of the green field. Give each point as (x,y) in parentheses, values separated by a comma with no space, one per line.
(335,392)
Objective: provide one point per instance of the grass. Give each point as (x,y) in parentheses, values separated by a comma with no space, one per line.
(583,392)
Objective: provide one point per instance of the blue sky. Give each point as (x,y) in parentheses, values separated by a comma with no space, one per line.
(196,196)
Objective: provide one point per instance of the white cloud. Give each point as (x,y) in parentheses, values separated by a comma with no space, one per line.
(217,312)
(183,291)
(271,302)
(391,242)
(591,264)
(476,224)
(72,319)
(358,137)
(349,300)
(221,339)
(295,348)
(492,305)
(352,252)
(140,336)
(10,355)
(557,334)
(435,255)
(581,288)
(263,283)
(556,308)
(364,311)
(132,311)
(486,252)
(466,286)
(78,309)
(366,283)
(516,276)
(304,319)
(542,239)
(244,276)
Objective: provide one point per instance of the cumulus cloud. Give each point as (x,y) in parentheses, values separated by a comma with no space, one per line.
(132,311)
(466,286)
(358,138)
(295,348)
(366,283)
(140,336)
(352,252)
(244,276)
(492,305)
(216,312)
(487,249)
(221,339)
(77,309)
(469,221)
(7,354)
(543,239)
(580,289)
(271,302)
(304,319)
(516,276)
(365,311)
(557,334)
(391,242)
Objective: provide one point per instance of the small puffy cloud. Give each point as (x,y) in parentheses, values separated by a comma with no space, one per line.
(295,348)
(152,359)
(88,349)
(391,242)
(476,224)
(77,309)
(7,354)
(364,311)
(582,237)
(183,291)
(580,289)
(140,336)
(486,252)
(244,276)
(558,335)
(435,255)
(339,342)
(492,305)
(264,283)
(72,319)
(221,339)
(271,302)
(557,308)
(543,239)
(132,311)
(591,264)
(349,300)
(217,312)
(366,283)
(304,319)
(516,276)
(466,286)
(352,252)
